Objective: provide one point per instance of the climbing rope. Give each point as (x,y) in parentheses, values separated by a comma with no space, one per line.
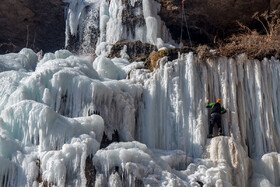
(184,19)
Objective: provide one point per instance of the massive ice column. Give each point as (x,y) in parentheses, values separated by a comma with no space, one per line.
(173,113)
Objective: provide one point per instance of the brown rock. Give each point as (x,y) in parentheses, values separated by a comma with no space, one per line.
(136,50)
(275,4)
(212,19)
(41,24)
(31,23)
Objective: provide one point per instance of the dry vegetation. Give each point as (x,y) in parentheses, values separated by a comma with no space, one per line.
(152,61)
(154,57)
(172,53)
(254,44)
(203,52)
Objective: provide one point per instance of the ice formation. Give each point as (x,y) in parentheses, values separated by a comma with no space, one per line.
(48,126)
(56,111)
(138,164)
(49,130)
(42,145)
(112,21)
(173,115)
(175,95)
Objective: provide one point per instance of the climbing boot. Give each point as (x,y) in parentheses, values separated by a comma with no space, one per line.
(220,134)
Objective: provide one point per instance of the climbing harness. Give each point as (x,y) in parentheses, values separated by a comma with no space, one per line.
(182,22)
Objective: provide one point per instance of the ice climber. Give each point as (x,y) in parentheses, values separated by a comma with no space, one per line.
(216,110)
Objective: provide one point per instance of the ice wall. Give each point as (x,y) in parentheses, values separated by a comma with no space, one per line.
(48,126)
(174,113)
(37,144)
(49,133)
(97,24)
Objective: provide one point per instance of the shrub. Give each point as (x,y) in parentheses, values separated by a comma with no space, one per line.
(254,44)
(154,57)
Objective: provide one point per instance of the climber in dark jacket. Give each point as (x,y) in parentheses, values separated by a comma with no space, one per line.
(216,110)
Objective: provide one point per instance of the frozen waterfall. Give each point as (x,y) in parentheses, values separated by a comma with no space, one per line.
(48,122)
(50,133)
(97,24)
(174,113)
(69,120)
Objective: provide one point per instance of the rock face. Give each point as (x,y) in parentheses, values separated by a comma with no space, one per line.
(137,51)
(41,24)
(31,23)
(210,18)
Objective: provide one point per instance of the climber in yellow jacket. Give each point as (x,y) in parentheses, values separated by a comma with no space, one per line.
(216,110)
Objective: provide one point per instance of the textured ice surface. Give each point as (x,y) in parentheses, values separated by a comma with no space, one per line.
(267,170)
(108,69)
(25,60)
(49,131)
(173,116)
(37,141)
(140,165)
(104,20)
(175,95)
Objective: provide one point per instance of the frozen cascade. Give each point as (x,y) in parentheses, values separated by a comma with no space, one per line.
(104,23)
(48,129)
(172,115)
(173,111)
(37,143)
(82,24)
(35,138)
(73,88)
